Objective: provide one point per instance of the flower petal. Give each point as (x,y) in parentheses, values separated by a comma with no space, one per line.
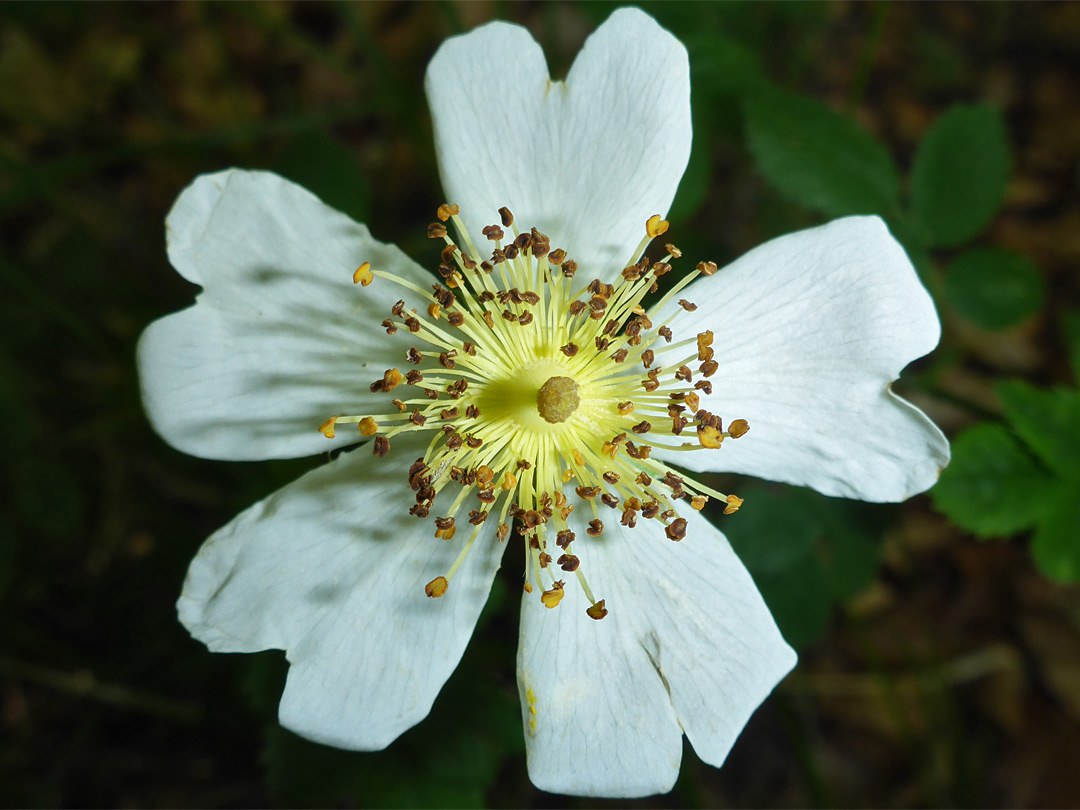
(598,720)
(586,162)
(688,645)
(332,569)
(811,329)
(279,339)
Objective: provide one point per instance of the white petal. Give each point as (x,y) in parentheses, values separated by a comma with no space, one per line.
(332,570)
(811,329)
(586,162)
(598,720)
(280,339)
(688,645)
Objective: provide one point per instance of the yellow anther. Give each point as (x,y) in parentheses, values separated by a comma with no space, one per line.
(738,428)
(368,426)
(597,611)
(509,481)
(709,437)
(551,598)
(692,401)
(433,310)
(608,449)
(567,476)
(391,378)
(698,502)
(446,210)
(656,226)
(578,459)
(625,407)
(437,587)
(528,588)
(363,275)
(733,504)
(327,427)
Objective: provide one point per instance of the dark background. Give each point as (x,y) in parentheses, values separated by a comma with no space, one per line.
(936,669)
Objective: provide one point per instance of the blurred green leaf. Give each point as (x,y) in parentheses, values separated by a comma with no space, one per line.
(696,180)
(819,158)
(959,175)
(1071,326)
(1048,421)
(805,551)
(1055,548)
(994,288)
(49,497)
(799,599)
(993,487)
(323,165)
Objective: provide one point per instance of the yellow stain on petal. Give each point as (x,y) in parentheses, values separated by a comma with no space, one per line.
(530,698)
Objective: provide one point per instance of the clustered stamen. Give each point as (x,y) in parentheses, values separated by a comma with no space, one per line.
(529,384)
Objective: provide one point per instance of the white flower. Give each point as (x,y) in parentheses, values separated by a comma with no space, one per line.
(801,337)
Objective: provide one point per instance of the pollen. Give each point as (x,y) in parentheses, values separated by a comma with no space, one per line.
(543,392)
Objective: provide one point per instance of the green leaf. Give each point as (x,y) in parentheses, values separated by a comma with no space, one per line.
(994,288)
(320,162)
(959,175)
(1048,420)
(994,487)
(799,600)
(1055,548)
(1071,327)
(818,158)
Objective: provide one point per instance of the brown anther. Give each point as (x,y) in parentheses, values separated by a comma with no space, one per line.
(642,427)
(502,532)
(708,368)
(620,355)
(674,251)
(398,309)
(437,587)
(704,386)
(647,358)
(650,510)
(363,275)
(733,504)
(704,340)
(382,446)
(706,268)
(656,226)
(447,210)
(457,319)
(507,217)
(327,427)
(489,320)
(677,530)
(493,232)
(511,252)
(653,382)
(611,477)
(430,394)
(509,316)
(551,598)
(689,307)
(412,323)
(445,528)
(476,517)
(569,268)
(414,377)
(588,493)
(596,528)
(568,563)
(446,359)
(557,256)
(625,407)
(525,318)
(564,538)
(473,441)
(389,326)
(523,241)
(569,349)
(597,611)
(446,414)
(609,500)
(436,230)
(738,428)
(399,404)
(577,307)
(665,333)
(685,374)
(543,557)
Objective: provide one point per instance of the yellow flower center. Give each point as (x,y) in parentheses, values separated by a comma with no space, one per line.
(532,382)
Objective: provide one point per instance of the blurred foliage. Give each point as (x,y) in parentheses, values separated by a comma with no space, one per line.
(935,670)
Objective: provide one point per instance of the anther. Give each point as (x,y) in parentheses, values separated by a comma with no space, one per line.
(363,275)
(437,587)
